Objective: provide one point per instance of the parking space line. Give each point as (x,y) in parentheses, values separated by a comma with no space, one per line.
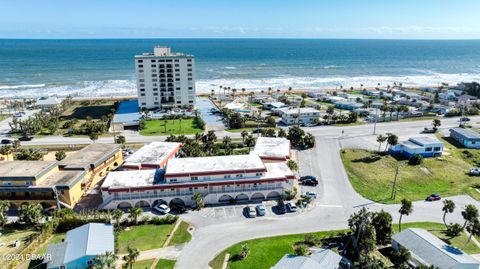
(330,205)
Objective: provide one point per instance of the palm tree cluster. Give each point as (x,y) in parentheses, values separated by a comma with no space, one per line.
(390,138)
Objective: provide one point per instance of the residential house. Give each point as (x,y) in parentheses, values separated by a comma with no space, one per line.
(466,137)
(274,105)
(320,259)
(427,249)
(273,149)
(80,247)
(348,105)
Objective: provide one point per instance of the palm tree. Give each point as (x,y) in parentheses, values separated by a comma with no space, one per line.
(6,151)
(117,215)
(436,123)
(244,134)
(381,139)
(405,209)
(198,198)
(470,213)
(134,213)
(392,140)
(106,261)
(4,206)
(131,257)
(448,207)
(473,228)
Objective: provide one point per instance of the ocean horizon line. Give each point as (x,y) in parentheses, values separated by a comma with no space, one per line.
(240,38)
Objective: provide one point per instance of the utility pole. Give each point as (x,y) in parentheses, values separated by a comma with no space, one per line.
(375,123)
(394,186)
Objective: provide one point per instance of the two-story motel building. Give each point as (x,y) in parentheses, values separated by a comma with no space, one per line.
(42,181)
(219,179)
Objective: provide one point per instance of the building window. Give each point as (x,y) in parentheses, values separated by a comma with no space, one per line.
(428,149)
(258,174)
(140,61)
(173,180)
(140,65)
(194,178)
(226,176)
(436,148)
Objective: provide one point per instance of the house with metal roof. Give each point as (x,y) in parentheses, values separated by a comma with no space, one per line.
(426,146)
(427,249)
(466,137)
(80,246)
(320,259)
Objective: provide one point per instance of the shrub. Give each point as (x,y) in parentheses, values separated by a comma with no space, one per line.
(416,159)
(301,249)
(453,230)
(311,239)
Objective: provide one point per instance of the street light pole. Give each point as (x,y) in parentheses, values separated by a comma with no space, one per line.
(394,186)
(375,122)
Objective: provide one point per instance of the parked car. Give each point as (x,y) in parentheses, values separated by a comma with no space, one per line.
(26,138)
(256,131)
(475,171)
(177,208)
(303,178)
(261,210)
(281,209)
(310,194)
(430,130)
(163,208)
(464,119)
(433,197)
(251,212)
(292,207)
(6,142)
(310,182)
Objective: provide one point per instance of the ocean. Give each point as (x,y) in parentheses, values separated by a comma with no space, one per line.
(105,67)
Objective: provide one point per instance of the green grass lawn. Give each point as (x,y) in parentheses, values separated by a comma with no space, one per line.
(4,117)
(143,237)
(56,238)
(266,252)
(11,235)
(372,175)
(181,235)
(165,264)
(145,264)
(174,127)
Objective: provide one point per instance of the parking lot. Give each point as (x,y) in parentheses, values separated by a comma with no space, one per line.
(234,212)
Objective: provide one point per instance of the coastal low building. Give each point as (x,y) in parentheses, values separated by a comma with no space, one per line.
(273,149)
(303,115)
(43,182)
(152,156)
(46,103)
(466,137)
(219,179)
(349,105)
(127,116)
(426,146)
(274,105)
(428,250)
(80,247)
(96,160)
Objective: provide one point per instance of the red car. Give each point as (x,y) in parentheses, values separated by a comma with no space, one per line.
(433,197)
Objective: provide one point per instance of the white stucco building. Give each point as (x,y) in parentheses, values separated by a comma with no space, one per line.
(219,179)
(165,79)
(303,115)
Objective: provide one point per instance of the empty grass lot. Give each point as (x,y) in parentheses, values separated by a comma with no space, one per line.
(372,175)
(174,127)
(11,235)
(143,237)
(181,235)
(266,252)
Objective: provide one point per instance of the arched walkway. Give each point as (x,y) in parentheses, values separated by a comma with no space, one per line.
(242,198)
(142,204)
(273,195)
(177,201)
(225,199)
(258,196)
(159,202)
(123,205)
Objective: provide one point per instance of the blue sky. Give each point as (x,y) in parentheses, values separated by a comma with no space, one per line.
(401,19)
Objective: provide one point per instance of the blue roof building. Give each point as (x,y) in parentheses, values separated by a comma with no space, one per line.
(320,259)
(466,137)
(127,115)
(80,246)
